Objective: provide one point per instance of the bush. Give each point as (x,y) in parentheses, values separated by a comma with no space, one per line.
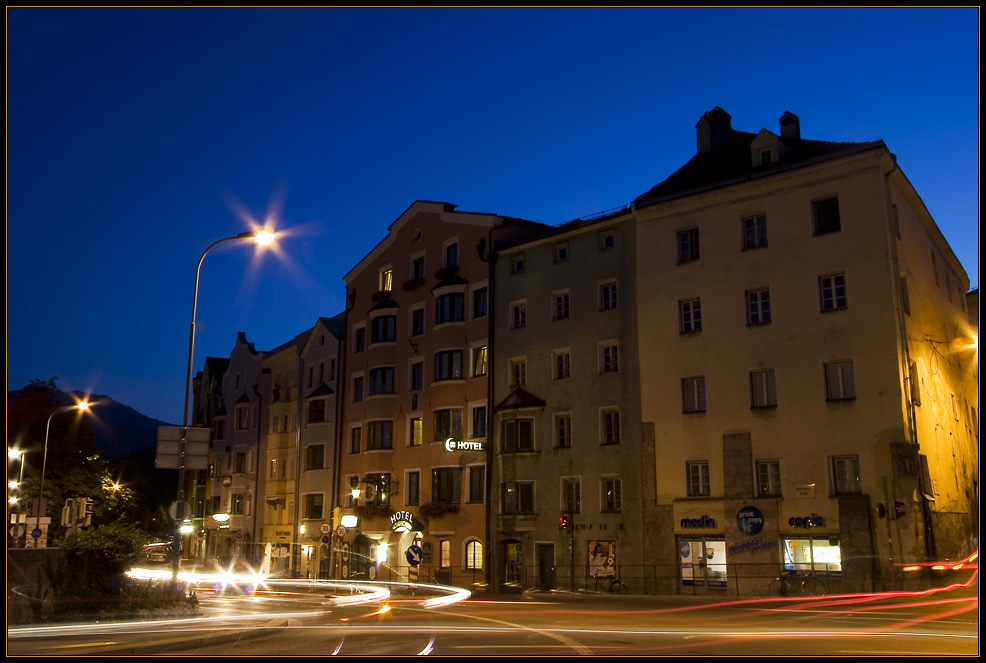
(89,578)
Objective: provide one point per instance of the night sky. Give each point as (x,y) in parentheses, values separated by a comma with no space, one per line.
(137,137)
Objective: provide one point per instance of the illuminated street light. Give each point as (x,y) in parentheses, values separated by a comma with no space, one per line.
(82,407)
(262,236)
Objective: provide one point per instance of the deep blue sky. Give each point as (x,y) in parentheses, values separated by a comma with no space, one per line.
(136,137)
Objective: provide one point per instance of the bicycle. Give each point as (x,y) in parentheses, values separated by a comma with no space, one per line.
(795,584)
(616,586)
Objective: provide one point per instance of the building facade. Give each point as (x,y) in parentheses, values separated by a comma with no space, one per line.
(413,459)
(799,317)
(570,465)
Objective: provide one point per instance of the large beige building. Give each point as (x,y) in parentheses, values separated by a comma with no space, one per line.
(802,327)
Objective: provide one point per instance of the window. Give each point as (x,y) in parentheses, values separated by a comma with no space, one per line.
(378,489)
(904,297)
(445,553)
(474,556)
(240,462)
(915,380)
(610,422)
(359,341)
(758,306)
(452,255)
(220,428)
(562,361)
(417,432)
(316,411)
(561,308)
(383,329)
(382,380)
(517,264)
(237,504)
(839,381)
(763,390)
(479,361)
(355,440)
(518,372)
(571,495)
(563,431)
(242,417)
(480,302)
(448,365)
(765,157)
(315,457)
(612,495)
(845,475)
(607,296)
(449,308)
(832,289)
(518,315)
(417,321)
(754,232)
(825,215)
(606,240)
(560,252)
(381,435)
(477,484)
(417,376)
(387,280)
(446,485)
(697,475)
(609,358)
(358,389)
(693,394)
(768,477)
(518,497)
(479,421)
(518,435)
(413,497)
(418,268)
(448,423)
(688,245)
(313,506)
(690,315)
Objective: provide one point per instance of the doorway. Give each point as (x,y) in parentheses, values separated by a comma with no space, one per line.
(546,566)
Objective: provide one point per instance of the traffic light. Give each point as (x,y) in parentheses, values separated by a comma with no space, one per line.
(563,521)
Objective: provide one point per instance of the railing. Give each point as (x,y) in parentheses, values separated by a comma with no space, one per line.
(597,215)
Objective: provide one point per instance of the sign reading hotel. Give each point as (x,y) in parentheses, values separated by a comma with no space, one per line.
(401,521)
(464,445)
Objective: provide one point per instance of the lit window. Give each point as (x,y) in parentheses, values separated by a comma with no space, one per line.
(474,556)
(387,280)
(479,361)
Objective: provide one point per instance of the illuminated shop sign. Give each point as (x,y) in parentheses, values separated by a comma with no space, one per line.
(749,520)
(464,445)
(702,522)
(814,520)
(402,521)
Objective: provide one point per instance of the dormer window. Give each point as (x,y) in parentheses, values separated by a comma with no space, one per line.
(765,158)
(387,280)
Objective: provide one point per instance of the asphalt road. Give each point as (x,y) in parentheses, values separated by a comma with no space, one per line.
(287,623)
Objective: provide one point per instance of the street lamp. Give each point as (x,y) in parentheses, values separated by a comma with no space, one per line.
(262,236)
(42,505)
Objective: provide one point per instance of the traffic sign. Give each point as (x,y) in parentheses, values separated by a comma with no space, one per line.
(414,555)
(324,528)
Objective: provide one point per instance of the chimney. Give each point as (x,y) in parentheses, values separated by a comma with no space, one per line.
(712,129)
(790,125)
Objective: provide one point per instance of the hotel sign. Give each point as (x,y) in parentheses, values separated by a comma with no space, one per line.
(452,445)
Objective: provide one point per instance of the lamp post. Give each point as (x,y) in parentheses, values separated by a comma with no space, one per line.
(42,505)
(262,236)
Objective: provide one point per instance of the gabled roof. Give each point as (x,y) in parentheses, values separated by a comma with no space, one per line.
(321,390)
(520,399)
(730,162)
